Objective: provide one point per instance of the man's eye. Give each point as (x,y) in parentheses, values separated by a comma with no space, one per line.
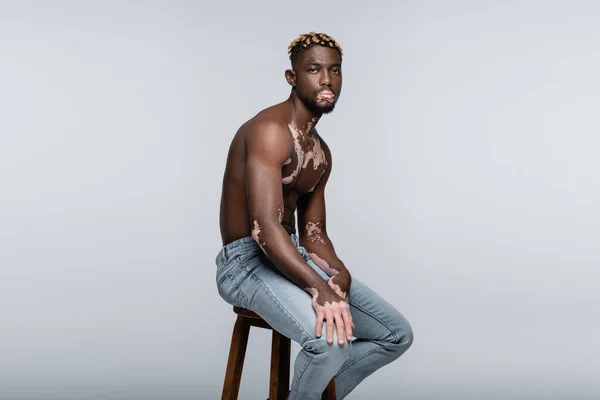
(312,70)
(335,71)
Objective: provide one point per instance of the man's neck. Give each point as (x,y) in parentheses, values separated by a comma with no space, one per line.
(303,119)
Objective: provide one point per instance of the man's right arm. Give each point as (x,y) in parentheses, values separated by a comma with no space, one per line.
(267,150)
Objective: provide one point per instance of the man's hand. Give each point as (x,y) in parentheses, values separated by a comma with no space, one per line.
(340,283)
(334,310)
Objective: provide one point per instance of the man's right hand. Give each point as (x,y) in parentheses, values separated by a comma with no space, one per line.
(334,310)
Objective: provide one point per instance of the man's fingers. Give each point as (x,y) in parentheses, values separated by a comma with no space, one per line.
(339,324)
(338,316)
(348,324)
(319,329)
(329,317)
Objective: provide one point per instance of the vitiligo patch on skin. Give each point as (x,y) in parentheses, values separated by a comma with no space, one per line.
(314,232)
(324,265)
(315,294)
(326,95)
(323,307)
(280,214)
(310,125)
(256,235)
(316,154)
(336,288)
(299,152)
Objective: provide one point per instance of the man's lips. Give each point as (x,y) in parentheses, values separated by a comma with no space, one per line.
(325,95)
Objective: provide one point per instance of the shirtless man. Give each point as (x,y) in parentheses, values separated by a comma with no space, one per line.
(278,163)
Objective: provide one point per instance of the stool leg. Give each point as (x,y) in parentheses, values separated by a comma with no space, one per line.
(280,367)
(235,363)
(329,393)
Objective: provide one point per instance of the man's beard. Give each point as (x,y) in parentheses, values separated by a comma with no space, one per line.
(317,108)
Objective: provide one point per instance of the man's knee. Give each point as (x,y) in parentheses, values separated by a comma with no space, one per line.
(335,353)
(402,336)
(406,335)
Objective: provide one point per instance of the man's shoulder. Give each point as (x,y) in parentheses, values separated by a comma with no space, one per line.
(268,125)
(324,145)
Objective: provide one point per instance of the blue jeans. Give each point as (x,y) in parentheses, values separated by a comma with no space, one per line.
(247,278)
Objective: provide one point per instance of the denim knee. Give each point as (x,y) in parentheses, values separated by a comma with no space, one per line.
(335,353)
(407,336)
(402,336)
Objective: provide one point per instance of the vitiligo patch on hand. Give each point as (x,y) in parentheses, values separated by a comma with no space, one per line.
(315,294)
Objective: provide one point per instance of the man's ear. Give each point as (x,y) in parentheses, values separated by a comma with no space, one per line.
(290,77)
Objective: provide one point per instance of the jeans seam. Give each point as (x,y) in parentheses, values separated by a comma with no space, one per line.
(239,288)
(295,389)
(240,265)
(291,317)
(394,336)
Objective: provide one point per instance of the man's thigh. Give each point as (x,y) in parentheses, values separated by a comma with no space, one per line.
(260,287)
(374,317)
(282,304)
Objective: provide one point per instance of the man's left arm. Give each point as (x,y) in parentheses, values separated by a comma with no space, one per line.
(312,228)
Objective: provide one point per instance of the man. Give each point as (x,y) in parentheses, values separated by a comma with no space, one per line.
(277,164)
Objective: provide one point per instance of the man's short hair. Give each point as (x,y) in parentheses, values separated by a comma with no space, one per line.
(307,40)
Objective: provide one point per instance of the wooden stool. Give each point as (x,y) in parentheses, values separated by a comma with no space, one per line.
(280,359)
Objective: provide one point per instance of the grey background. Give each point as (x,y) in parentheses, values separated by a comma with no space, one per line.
(465,190)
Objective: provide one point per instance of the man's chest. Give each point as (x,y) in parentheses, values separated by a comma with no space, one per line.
(306,165)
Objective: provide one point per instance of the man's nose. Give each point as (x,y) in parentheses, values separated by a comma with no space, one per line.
(325,79)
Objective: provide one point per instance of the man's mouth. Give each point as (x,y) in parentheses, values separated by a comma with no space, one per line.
(325,95)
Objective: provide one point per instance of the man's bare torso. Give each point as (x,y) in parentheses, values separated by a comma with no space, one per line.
(299,175)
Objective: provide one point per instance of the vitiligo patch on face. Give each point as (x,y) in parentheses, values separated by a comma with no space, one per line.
(326,95)
(314,232)
(324,265)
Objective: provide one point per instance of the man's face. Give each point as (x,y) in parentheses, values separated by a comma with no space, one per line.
(319,78)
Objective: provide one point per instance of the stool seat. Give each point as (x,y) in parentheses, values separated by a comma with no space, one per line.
(247,313)
(280,359)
